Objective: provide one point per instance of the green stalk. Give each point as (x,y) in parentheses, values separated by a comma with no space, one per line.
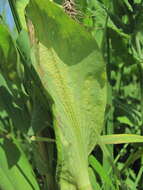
(15,15)
(109,122)
(139,177)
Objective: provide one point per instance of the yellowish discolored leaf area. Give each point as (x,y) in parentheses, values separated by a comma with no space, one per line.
(72,71)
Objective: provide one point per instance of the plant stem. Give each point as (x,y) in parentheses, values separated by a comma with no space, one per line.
(15,15)
(109,122)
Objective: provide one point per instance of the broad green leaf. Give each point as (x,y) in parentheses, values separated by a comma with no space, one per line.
(72,71)
(15,170)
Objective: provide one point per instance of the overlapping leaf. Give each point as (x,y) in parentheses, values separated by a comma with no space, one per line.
(72,71)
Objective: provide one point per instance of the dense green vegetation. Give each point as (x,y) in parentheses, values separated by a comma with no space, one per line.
(71,95)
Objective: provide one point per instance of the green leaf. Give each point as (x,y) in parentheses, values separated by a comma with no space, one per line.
(100,170)
(19,116)
(10,66)
(20,7)
(93,180)
(125,120)
(99,17)
(24,45)
(15,170)
(72,71)
(12,98)
(121,138)
(128,5)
